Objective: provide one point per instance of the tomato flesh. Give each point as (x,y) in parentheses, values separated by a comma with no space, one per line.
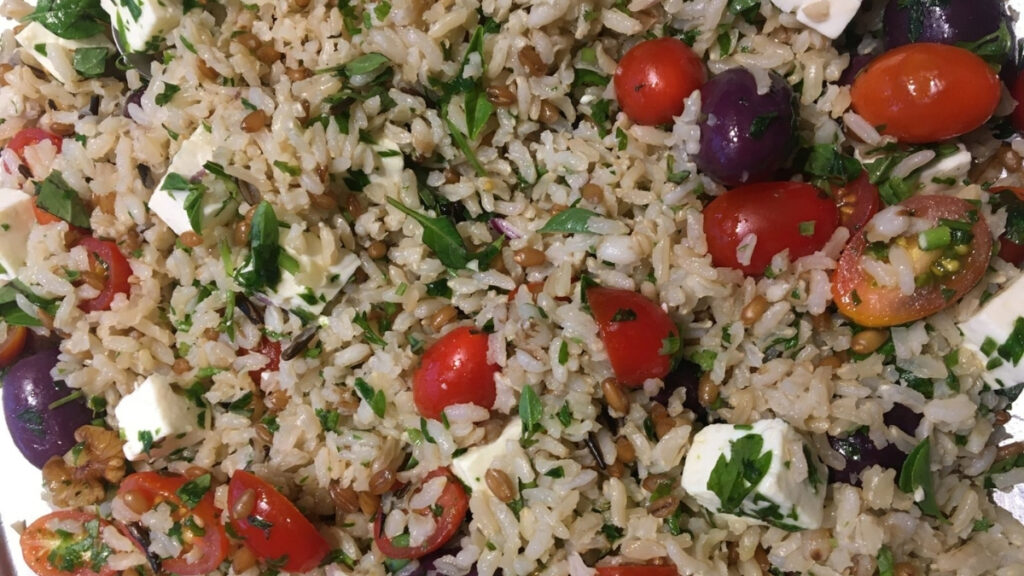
(865,302)
(42,216)
(105,258)
(636,332)
(637,570)
(49,553)
(275,530)
(858,201)
(30,137)
(654,79)
(926,92)
(211,541)
(11,347)
(272,350)
(454,504)
(780,215)
(454,370)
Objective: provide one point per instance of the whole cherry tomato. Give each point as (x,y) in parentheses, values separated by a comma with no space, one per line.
(654,79)
(639,336)
(191,503)
(858,201)
(925,92)
(453,504)
(454,371)
(273,528)
(864,301)
(106,261)
(66,543)
(772,216)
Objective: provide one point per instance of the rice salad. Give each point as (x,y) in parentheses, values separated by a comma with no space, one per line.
(540,287)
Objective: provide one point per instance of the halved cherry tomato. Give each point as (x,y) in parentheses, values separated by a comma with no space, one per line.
(654,79)
(636,332)
(273,528)
(1013,201)
(454,371)
(272,350)
(858,201)
(637,570)
(781,215)
(30,137)
(66,543)
(926,92)
(862,300)
(209,538)
(453,502)
(106,259)
(42,216)
(12,346)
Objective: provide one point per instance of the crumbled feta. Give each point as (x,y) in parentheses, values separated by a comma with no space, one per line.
(151,413)
(16,219)
(142,25)
(186,175)
(320,269)
(828,17)
(472,466)
(996,333)
(53,53)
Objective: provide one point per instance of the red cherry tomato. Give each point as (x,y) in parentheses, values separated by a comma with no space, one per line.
(30,137)
(274,529)
(42,216)
(636,333)
(453,502)
(49,545)
(782,215)
(862,300)
(1017,91)
(12,346)
(106,259)
(637,570)
(211,540)
(454,371)
(272,350)
(1012,199)
(858,201)
(654,79)
(926,92)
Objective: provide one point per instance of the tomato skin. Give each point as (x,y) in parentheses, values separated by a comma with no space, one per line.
(454,370)
(637,570)
(11,347)
(876,306)
(105,256)
(858,201)
(157,488)
(634,341)
(42,216)
(455,503)
(653,80)
(38,541)
(774,211)
(30,137)
(272,350)
(926,92)
(1008,249)
(290,533)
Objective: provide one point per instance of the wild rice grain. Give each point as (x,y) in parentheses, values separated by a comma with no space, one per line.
(368,503)
(592,193)
(500,485)
(267,54)
(663,422)
(663,507)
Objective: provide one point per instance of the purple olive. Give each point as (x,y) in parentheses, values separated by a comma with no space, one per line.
(857,63)
(38,430)
(684,375)
(948,22)
(903,418)
(134,98)
(745,136)
(860,451)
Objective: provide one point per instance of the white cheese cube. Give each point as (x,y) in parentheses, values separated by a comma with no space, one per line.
(953,167)
(996,334)
(472,466)
(169,199)
(151,413)
(16,219)
(828,17)
(766,472)
(142,24)
(322,268)
(53,53)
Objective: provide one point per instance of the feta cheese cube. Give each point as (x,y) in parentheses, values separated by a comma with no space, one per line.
(828,17)
(186,174)
(151,413)
(54,54)
(16,219)
(320,269)
(472,466)
(996,334)
(142,25)
(766,472)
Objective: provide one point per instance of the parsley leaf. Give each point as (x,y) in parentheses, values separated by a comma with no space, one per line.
(375,398)
(733,479)
(530,412)
(57,197)
(916,474)
(90,62)
(261,268)
(70,19)
(569,221)
(192,492)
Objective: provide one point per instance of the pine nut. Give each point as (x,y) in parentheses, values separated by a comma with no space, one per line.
(867,341)
(615,396)
(761,557)
(368,503)
(382,481)
(267,54)
(277,400)
(501,95)
(531,61)
(663,507)
(193,472)
(254,121)
(707,390)
(242,560)
(663,423)
(191,239)
(136,501)
(180,366)
(377,250)
(904,569)
(1001,417)
(249,40)
(527,257)
(244,506)
(615,469)
(207,71)
(500,485)
(549,113)
(264,434)
(300,73)
(592,193)
(753,311)
(243,227)
(624,451)
(441,318)
(345,499)
(62,128)
(1009,451)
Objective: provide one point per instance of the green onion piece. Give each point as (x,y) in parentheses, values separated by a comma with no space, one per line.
(935,238)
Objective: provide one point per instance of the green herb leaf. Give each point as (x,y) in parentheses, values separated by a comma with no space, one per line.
(530,411)
(261,269)
(916,474)
(564,415)
(90,62)
(760,124)
(70,19)
(734,478)
(993,48)
(192,492)
(569,221)
(374,62)
(57,197)
(329,419)
(825,161)
(194,208)
(440,235)
(375,398)
(168,93)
